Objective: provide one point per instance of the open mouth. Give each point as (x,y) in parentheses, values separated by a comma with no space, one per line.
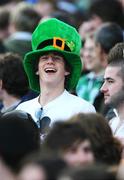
(50,70)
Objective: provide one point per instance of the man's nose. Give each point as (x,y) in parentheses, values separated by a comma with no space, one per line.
(86,53)
(82,159)
(50,59)
(103,88)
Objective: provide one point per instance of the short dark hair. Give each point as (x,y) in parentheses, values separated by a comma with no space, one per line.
(108,11)
(25,18)
(116,58)
(117,52)
(106,148)
(108,35)
(63,136)
(12,74)
(19,136)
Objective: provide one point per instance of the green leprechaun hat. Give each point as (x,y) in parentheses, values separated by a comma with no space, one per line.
(54,35)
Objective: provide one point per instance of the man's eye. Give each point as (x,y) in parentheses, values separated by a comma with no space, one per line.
(73,149)
(110,81)
(57,58)
(44,57)
(87,149)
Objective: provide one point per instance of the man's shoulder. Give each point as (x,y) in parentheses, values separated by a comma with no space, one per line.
(29,103)
(77,98)
(82,103)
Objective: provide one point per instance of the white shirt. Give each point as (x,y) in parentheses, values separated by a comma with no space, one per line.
(117,126)
(61,108)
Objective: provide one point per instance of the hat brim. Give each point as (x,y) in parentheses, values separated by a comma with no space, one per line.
(73,60)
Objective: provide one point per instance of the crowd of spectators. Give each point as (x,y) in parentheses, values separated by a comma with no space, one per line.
(72,128)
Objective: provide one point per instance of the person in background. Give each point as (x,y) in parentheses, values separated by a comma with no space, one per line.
(96,49)
(23,21)
(89,83)
(14,87)
(19,136)
(106,37)
(113,88)
(100,12)
(106,148)
(45,7)
(71,142)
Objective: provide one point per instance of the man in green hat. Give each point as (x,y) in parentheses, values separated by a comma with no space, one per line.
(53,68)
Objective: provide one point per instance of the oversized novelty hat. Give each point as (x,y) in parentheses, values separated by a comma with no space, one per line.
(54,35)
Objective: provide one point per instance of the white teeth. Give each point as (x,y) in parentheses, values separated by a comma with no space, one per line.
(50,70)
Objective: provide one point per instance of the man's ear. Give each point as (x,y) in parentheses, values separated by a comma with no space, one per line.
(37,73)
(67,73)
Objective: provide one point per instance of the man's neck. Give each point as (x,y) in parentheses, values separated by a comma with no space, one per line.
(120,111)
(99,72)
(49,94)
(9,100)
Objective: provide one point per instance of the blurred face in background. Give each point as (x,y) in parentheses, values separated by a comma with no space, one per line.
(89,27)
(79,154)
(90,60)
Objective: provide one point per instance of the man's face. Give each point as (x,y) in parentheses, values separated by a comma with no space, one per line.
(80,154)
(88,27)
(91,62)
(51,69)
(113,85)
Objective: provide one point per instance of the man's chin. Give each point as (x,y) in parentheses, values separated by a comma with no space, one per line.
(106,102)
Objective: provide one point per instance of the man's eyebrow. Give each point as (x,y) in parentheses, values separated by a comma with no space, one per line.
(108,78)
